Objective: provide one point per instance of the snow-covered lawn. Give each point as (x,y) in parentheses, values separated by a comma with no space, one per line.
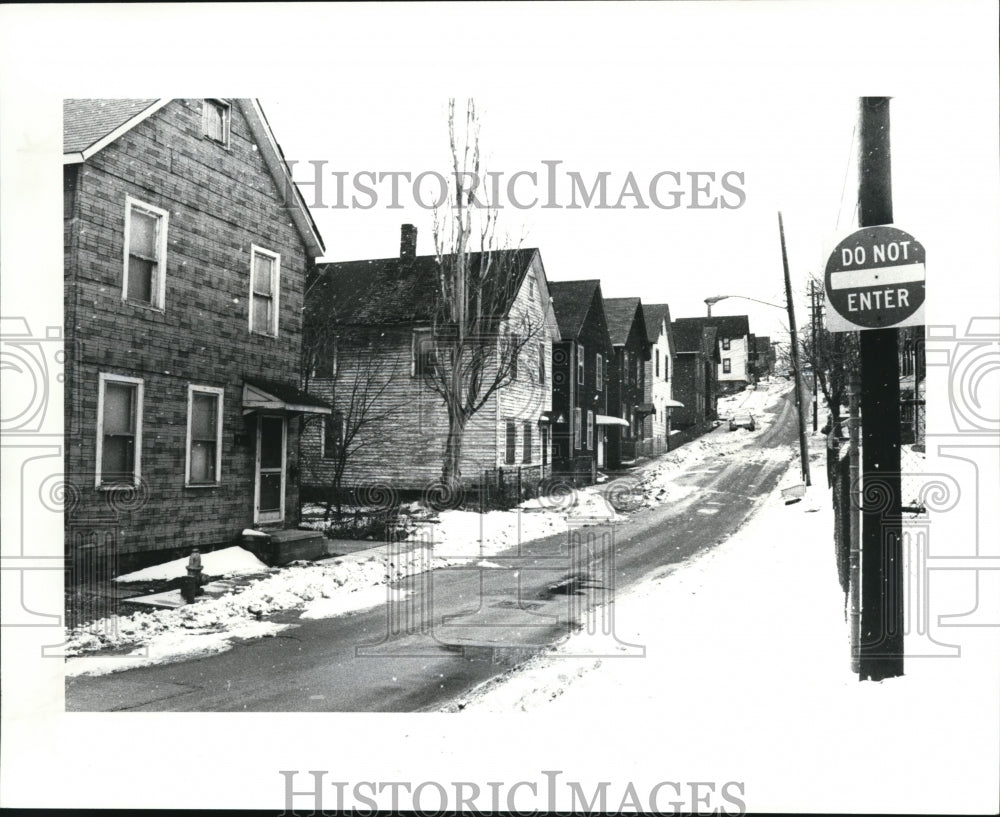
(357,581)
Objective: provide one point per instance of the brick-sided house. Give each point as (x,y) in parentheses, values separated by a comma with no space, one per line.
(658,376)
(186,251)
(579,379)
(733,338)
(697,356)
(379,314)
(626,376)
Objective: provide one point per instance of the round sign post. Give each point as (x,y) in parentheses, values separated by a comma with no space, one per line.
(875,279)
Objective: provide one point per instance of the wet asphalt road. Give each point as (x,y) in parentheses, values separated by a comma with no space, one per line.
(457,627)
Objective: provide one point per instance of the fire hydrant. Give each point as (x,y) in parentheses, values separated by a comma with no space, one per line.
(192,584)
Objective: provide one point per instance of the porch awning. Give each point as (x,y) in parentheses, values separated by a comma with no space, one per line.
(645,408)
(672,404)
(273,395)
(605,420)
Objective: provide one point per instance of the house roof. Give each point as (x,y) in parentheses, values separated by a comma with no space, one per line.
(687,336)
(654,315)
(90,125)
(727,326)
(87,121)
(402,291)
(571,302)
(621,313)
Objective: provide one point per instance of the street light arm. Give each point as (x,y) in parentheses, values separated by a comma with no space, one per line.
(716,298)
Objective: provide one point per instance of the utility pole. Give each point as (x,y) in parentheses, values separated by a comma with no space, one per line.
(796,369)
(881,637)
(814,316)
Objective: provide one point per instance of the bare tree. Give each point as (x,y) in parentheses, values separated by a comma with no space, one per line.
(476,339)
(359,376)
(832,357)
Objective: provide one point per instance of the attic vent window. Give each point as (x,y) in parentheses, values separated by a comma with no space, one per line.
(215,120)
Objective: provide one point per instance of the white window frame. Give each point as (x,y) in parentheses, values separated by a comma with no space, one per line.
(102,379)
(579,363)
(590,430)
(159,286)
(275,290)
(227,116)
(599,384)
(220,393)
(415,344)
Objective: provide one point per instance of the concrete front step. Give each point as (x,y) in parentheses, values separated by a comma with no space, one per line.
(280,547)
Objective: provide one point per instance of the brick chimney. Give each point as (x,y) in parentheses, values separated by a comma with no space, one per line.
(408,241)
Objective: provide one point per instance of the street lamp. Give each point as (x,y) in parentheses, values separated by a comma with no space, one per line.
(716,298)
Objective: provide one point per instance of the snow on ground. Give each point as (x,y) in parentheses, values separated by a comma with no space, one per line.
(750,639)
(232,561)
(358,581)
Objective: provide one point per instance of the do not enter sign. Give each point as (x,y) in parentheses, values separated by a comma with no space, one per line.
(875,280)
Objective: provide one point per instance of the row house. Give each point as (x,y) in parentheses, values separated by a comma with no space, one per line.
(695,386)
(733,337)
(186,249)
(658,377)
(370,324)
(627,385)
(580,379)
(765,356)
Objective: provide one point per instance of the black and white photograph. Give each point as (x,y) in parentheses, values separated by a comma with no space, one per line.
(501,407)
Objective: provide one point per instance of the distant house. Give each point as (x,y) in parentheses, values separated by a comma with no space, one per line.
(580,379)
(764,366)
(733,336)
(627,385)
(378,316)
(659,368)
(186,252)
(697,357)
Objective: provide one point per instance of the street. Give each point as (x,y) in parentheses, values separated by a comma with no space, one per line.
(445,631)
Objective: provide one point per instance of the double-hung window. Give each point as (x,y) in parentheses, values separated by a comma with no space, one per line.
(265,287)
(599,373)
(577,422)
(143,281)
(215,118)
(579,363)
(511,447)
(204,436)
(119,431)
(541,362)
(590,430)
(526,454)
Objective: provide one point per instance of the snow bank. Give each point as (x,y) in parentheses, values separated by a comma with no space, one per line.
(231,561)
(358,581)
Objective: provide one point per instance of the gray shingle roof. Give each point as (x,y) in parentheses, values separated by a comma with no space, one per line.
(726,326)
(620,313)
(654,314)
(571,302)
(400,291)
(86,121)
